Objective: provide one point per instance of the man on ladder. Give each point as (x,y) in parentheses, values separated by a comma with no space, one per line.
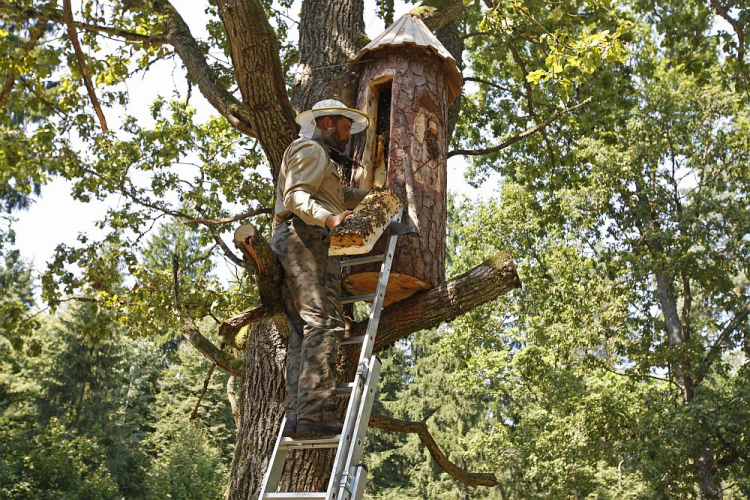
(310,202)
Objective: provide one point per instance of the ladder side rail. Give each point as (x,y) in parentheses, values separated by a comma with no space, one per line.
(276,465)
(342,451)
(359,482)
(367,345)
(377,305)
(347,485)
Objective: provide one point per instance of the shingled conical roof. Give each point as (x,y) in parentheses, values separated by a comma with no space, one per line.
(410,30)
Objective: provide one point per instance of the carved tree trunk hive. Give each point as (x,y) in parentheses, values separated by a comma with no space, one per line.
(407,81)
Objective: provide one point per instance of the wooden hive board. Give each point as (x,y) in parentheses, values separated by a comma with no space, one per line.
(358,233)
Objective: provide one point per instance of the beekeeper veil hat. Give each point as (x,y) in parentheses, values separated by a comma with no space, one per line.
(330,107)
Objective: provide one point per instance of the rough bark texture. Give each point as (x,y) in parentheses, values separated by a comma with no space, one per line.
(261,408)
(255,56)
(260,413)
(416,154)
(493,278)
(331,33)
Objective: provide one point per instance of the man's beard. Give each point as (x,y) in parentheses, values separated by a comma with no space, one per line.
(337,142)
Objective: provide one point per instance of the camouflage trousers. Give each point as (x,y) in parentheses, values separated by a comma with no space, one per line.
(312,304)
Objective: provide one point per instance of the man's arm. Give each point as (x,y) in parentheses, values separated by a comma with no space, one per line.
(353,197)
(334,220)
(306,166)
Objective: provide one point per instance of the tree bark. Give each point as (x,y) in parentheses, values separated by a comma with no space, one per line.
(331,34)
(257,66)
(261,408)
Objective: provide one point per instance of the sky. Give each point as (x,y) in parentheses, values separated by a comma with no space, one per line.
(55,217)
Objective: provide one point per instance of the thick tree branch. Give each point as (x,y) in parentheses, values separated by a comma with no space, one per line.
(257,65)
(437,13)
(259,257)
(178,35)
(715,351)
(223,360)
(489,280)
(73,35)
(230,327)
(420,428)
(735,26)
(518,137)
(229,220)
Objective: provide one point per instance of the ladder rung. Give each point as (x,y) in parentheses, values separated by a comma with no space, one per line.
(293,496)
(344,389)
(309,444)
(352,340)
(367,297)
(369,259)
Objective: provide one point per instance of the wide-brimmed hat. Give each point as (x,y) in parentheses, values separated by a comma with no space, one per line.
(331,107)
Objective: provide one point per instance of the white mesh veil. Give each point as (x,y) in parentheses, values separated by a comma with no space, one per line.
(329,107)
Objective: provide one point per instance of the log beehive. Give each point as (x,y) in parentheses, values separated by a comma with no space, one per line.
(407,81)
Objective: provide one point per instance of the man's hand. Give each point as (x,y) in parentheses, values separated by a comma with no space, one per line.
(334,220)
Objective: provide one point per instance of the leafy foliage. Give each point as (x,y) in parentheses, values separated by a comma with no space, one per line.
(619,371)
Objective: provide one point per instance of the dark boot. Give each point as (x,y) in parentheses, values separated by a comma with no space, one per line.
(290,426)
(311,429)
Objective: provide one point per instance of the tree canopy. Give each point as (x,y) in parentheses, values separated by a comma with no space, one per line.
(615,136)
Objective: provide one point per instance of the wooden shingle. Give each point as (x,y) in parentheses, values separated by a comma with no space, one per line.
(410,30)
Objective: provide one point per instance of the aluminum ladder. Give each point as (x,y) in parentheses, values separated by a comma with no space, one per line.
(348,476)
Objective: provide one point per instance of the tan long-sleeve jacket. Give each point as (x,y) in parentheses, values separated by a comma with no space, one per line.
(309,185)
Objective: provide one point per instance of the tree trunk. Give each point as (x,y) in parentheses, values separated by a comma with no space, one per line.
(261,409)
(264,374)
(255,57)
(331,33)
(703,462)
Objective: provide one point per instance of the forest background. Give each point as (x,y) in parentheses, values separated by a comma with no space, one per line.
(620,370)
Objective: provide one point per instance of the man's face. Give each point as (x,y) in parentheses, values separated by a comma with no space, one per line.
(340,131)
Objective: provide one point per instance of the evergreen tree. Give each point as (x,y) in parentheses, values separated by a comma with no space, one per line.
(417,384)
